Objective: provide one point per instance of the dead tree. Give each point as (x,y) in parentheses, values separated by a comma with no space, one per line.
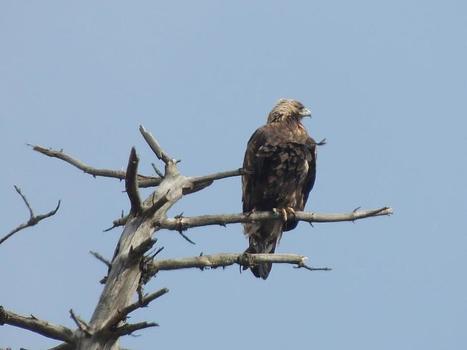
(133,264)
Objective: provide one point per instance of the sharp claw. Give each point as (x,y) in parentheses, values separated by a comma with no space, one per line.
(282,212)
(291,211)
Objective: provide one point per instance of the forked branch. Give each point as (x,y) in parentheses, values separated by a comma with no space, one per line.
(121,315)
(33,219)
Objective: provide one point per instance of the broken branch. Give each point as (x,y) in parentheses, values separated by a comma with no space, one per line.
(131,185)
(156,148)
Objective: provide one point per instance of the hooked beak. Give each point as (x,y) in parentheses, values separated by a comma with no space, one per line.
(305,112)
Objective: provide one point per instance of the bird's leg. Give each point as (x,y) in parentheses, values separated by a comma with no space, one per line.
(291,212)
(285,213)
(282,212)
(252,211)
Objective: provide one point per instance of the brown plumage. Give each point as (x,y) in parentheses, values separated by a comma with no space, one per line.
(280,164)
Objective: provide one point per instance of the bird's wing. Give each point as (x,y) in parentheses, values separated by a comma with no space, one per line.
(311,176)
(253,166)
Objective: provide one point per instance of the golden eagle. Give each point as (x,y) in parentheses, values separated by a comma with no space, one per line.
(280,169)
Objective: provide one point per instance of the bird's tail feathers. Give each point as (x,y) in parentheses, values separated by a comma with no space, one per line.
(259,246)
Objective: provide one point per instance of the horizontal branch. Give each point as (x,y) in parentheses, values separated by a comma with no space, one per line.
(33,219)
(35,325)
(183,223)
(216,176)
(143,181)
(197,183)
(227,259)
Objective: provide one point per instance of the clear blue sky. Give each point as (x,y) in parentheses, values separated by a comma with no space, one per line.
(387,84)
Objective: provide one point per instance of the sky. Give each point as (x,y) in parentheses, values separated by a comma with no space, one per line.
(386,83)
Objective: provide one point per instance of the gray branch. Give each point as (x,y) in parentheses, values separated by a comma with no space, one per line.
(227,259)
(130,328)
(143,181)
(101,258)
(200,182)
(33,219)
(183,223)
(80,323)
(118,222)
(35,325)
(154,145)
(217,176)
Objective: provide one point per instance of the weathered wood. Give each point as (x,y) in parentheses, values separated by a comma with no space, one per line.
(125,273)
(130,269)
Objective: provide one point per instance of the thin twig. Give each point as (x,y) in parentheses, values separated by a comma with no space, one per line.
(185,237)
(33,219)
(35,325)
(130,328)
(157,171)
(31,213)
(180,230)
(82,325)
(184,223)
(101,258)
(131,185)
(118,222)
(310,268)
(156,148)
(143,181)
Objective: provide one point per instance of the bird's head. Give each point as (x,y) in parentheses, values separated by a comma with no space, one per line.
(287,109)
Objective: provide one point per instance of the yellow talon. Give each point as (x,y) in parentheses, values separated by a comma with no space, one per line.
(282,212)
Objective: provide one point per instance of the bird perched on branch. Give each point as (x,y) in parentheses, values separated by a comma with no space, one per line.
(280,169)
